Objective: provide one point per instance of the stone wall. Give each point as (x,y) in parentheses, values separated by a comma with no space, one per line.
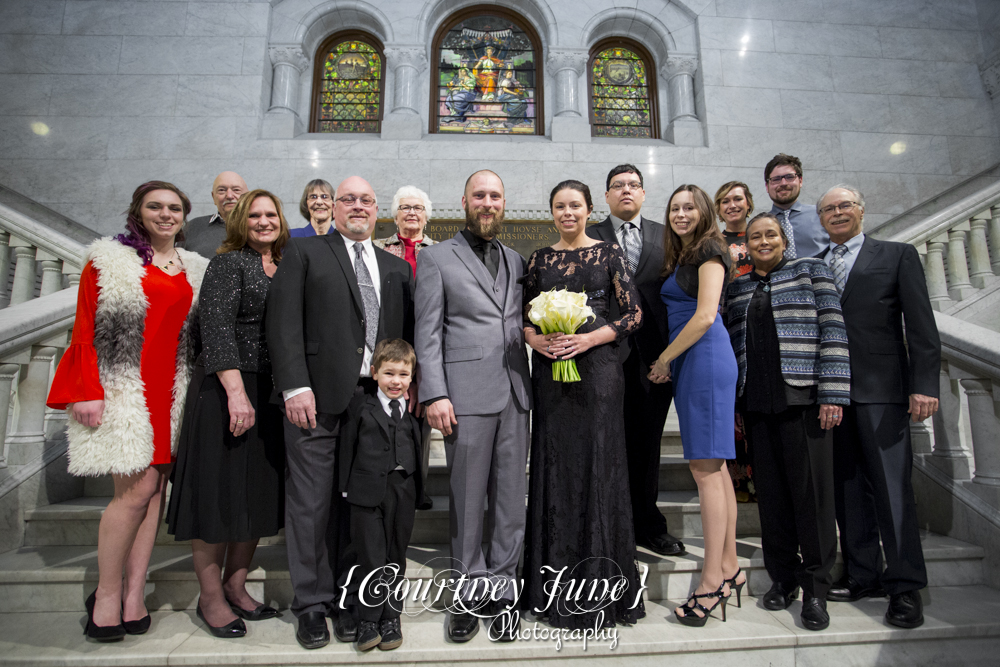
(97,96)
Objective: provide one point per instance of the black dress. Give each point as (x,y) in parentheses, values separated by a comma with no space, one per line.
(579,511)
(228,489)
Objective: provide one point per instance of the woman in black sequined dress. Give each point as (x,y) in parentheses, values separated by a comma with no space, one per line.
(579,512)
(229,479)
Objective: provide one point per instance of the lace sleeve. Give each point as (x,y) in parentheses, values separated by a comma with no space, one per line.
(530,288)
(626,294)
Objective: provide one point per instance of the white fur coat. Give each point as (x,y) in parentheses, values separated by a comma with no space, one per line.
(123,443)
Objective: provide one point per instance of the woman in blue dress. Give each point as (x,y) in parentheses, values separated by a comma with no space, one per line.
(700,362)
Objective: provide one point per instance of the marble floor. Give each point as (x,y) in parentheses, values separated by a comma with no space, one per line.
(962,628)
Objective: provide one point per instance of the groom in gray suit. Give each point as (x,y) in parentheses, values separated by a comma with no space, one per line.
(473,373)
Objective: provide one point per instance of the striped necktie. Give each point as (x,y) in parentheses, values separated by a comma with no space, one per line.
(789,232)
(633,245)
(839,266)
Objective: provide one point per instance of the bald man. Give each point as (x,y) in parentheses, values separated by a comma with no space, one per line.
(331,300)
(203,235)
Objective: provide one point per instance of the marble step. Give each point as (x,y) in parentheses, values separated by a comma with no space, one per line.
(962,627)
(59,578)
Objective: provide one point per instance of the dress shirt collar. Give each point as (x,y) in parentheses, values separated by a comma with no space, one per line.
(478,243)
(796,207)
(853,244)
(384,400)
(367,243)
(215,219)
(617,222)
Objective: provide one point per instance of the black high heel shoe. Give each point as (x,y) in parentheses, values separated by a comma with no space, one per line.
(738,587)
(689,617)
(233,630)
(139,627)
(101,633)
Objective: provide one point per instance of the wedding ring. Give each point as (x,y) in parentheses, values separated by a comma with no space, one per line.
(239,421)
(546,348)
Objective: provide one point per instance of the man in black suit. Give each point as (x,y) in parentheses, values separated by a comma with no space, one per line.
(646,404)
(332,299)
(882,285)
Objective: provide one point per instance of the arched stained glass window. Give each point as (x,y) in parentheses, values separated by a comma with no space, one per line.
(486,78)
(622,90)
(348,84)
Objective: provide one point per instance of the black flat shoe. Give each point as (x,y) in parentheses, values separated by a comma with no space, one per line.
(368,635)
(261,613)
(462,627)
(848,590)
(425,503)
(665,545)
(312,632)
(392,634)
(101,633)
(814,616)
(233,630)
(345,626)
(906,610)
(505,625)
(780,596)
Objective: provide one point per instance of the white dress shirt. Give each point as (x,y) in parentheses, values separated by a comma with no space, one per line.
(619,223)
(384,400)
(853,248)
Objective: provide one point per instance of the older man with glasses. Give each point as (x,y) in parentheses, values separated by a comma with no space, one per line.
(783,179)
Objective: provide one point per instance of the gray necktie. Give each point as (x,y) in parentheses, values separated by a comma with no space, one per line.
(839,266)
(789,232)
(368,295)
(633,245)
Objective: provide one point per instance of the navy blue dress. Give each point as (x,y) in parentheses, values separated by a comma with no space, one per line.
(704,376)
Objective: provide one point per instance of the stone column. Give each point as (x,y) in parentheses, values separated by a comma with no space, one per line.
(51,272)
(282,121)
(29,437)
(565,67)
(684,128)
(408,65)
(23,288)
(8,373)
(959,285)
(995,238)
(949,455)
(937,279)
(985,435)
(980,270)
(4,270)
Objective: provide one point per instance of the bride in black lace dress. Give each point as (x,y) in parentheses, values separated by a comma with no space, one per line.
(579,512)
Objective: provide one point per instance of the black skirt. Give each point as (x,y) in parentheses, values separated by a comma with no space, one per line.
(228,489)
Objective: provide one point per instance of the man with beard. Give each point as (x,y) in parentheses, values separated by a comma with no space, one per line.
(473,373)
(330,302)
(203,235)
(783,179)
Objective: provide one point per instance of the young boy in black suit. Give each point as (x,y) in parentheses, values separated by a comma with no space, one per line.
(380,477)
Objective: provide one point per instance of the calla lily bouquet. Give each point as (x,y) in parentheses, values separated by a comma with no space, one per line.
(564,312)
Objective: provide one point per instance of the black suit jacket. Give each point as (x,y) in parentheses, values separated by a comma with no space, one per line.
(652,337)
(315,318)
(365,457)
(885,288)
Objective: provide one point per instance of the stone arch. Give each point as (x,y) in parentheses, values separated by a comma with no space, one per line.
(632,23)
(536,12)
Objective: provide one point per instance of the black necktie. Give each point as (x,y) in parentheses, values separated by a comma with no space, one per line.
(397,414)
(489,252)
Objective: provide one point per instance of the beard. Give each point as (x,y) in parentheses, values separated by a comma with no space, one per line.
(481,229)
(787,197)
(357,225)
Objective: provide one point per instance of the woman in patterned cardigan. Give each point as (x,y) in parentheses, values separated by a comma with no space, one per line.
(788,333)
(411,209)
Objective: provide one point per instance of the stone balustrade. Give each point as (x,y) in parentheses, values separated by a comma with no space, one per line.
(959,246)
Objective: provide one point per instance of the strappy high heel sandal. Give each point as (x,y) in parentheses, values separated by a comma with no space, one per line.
(738,587)
(689,617)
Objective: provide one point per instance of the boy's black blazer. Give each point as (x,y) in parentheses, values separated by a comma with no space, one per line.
(365,455)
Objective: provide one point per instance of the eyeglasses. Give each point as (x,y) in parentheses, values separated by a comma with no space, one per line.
(348,200)
(314,197)
(843,207)
(412,209)
(787,178)
(621,185)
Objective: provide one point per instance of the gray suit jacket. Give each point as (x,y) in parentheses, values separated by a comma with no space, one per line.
(469,339)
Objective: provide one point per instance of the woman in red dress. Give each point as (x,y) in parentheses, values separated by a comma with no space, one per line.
(123,381)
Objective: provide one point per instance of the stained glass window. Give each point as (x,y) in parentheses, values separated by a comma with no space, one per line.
(349,86)
(487,79)
(622,98)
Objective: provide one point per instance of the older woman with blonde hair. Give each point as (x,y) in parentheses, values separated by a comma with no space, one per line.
(229,482)
(411,209)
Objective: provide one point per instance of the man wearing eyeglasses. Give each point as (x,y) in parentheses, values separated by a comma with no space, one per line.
(783,179)
(205,234)
(894,378)
(646,404)
(330,302)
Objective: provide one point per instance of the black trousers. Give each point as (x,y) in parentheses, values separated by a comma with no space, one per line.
(793,476)
(646,407)
(873,465)
(380,536)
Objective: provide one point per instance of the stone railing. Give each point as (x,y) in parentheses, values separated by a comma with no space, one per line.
(540,214)
(956,246)
(964,448)
(35,325)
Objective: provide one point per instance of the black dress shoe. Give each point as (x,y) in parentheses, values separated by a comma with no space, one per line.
(814,616)
(425,503)
(101,633)
(345,626)
(312,632)
(780,596)
(848,590)
(139,627)
(462,627)
(392,634)
(368,635)
(233,630)
(906,610)
(259,614)
(505,622)
(664,544)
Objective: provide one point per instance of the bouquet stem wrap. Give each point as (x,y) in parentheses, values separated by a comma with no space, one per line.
(561,311)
